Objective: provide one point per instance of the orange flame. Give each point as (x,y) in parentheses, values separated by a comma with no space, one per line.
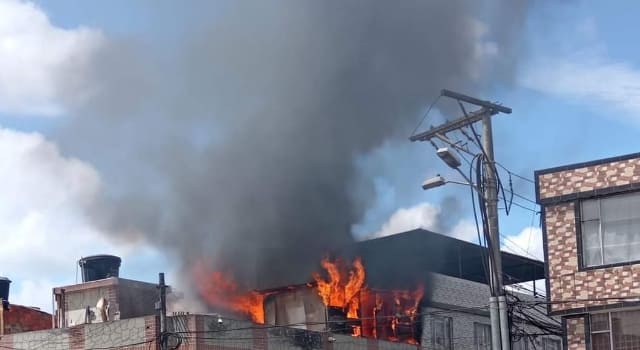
(220,290)
(340,290)
(401,298)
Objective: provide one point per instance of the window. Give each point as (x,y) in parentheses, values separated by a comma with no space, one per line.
(615,330)
(519,344)
(441,331)
(611,230)
(482,336)
(551,344)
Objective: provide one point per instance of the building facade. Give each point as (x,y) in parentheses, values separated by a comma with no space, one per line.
(188,332)
(591,230)
(18,318)
(456,317)
(103,300)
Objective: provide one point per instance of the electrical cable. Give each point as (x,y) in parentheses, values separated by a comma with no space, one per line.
(514,174)
(424,117)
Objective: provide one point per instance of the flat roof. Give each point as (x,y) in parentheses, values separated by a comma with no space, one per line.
(411,255)
(587,163)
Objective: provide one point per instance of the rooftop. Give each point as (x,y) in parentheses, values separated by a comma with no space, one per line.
(409,256)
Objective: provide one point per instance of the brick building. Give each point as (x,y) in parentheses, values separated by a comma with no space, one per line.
(20,318)
(591,230)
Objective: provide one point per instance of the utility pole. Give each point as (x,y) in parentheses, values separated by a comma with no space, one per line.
(162,287)
(500,336)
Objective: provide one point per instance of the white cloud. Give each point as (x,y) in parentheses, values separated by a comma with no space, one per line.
(32,293)
(42,221)
(526,243)
(38,58)
(586,74)
(601,81)
(465,230)
(425,216)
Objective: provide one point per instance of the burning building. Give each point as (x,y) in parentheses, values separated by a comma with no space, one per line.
(414,287)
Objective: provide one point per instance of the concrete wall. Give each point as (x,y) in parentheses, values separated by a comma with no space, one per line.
(465,303)
(136,298)
(232,334)
(127,299)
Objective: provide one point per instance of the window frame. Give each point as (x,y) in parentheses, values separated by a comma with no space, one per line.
(610,324)
(476,343)
(448,329)
(557,342)
(577,208)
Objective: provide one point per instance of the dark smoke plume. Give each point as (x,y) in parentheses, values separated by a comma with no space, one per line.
(238,143)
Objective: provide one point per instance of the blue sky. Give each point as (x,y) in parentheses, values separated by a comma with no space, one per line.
(575,97)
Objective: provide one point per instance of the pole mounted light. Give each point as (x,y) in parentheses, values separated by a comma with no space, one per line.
(439,180)
(450,158)
(500,333)
(433,182)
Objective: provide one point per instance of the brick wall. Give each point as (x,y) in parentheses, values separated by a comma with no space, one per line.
(558,191)
(24,319)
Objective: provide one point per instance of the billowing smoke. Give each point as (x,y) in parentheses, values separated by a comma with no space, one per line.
(237,143)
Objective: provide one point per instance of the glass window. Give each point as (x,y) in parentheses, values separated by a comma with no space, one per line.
(611,230)
(551,344)
(441,333)
(615,330)
(482,336)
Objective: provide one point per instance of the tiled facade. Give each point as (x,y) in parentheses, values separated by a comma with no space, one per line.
(574,290)
(576,336)
(559,191)
(588,178)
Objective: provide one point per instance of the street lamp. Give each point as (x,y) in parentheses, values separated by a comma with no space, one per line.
(448,157)
(439,180)
(433,182)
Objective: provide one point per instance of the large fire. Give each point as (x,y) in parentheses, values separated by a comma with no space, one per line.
(221,291)
(382,314)
(341,289)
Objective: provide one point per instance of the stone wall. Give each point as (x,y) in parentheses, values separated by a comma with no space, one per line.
(131,334)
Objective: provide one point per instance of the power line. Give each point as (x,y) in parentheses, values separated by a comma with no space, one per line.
(514,174)
(424,116)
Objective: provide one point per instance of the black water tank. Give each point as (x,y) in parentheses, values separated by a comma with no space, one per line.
(4,288)
(97,267)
